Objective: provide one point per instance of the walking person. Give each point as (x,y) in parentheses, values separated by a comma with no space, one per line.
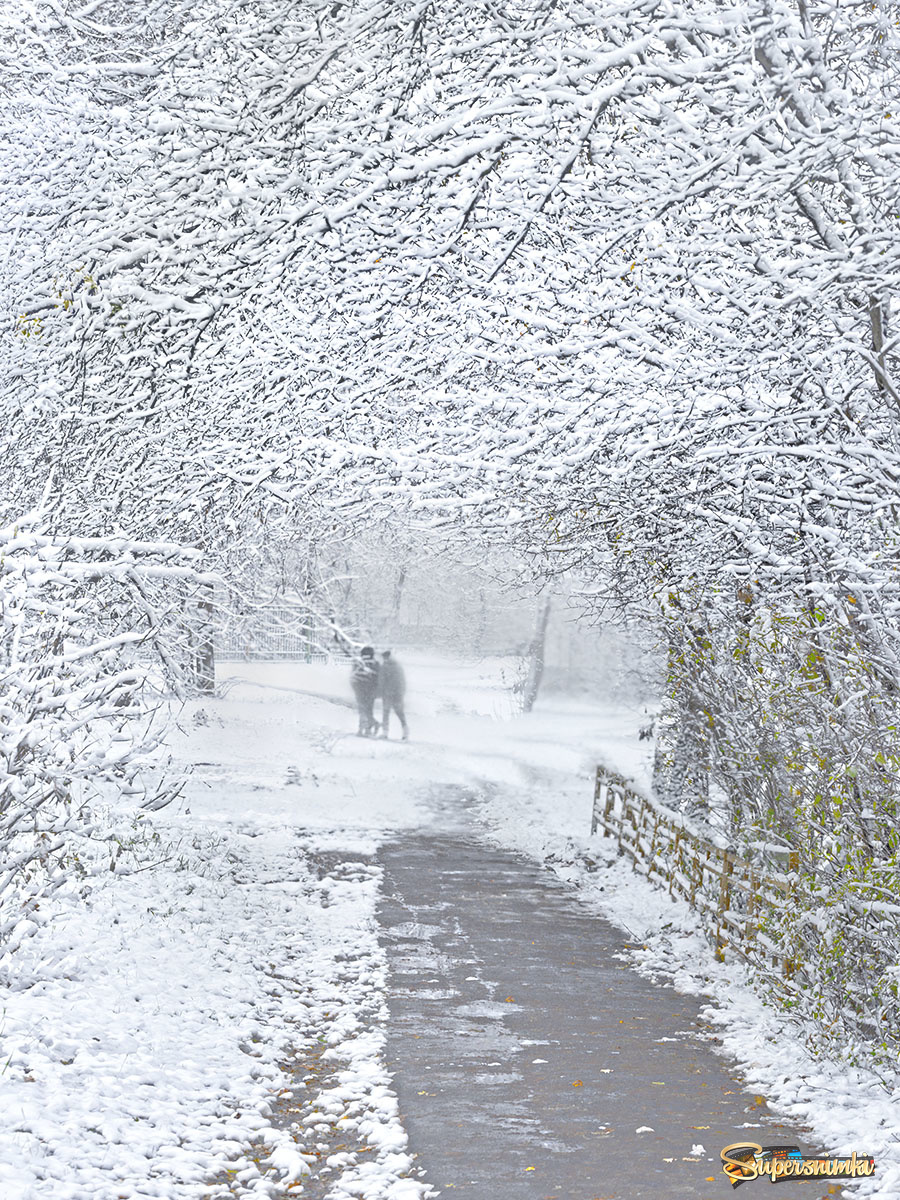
(392,686)
(364,679)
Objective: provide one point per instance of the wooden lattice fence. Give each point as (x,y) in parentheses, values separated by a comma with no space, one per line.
(733,896)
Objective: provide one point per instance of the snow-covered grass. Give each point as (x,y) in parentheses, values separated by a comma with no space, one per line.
(213,1025)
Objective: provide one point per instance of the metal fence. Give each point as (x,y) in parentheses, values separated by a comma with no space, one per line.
(276,633)
(285,633)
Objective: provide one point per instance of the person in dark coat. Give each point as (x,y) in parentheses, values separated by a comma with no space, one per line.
(365,683)
(392,686)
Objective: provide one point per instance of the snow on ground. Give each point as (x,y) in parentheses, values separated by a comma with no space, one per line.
(213,1024)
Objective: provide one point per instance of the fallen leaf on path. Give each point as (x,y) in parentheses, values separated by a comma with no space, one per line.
(577,1083)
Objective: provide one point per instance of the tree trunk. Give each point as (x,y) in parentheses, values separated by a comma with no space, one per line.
(398,596)
(205,654)
(681,765)
(481,623)
(876,318)
(536,653)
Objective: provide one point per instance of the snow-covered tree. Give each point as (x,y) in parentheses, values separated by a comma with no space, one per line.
(613,284)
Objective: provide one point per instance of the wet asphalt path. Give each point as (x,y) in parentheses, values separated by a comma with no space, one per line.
(532,1064)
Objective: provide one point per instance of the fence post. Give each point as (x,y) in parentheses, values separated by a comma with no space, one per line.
(654,842)
(788,966)
(676,855)
(696,874)
(610,801)
(724,904)
(623,810)
(751,927)
(598,784)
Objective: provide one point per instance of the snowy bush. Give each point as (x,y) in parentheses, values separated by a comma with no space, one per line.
(75,711)
(781,734)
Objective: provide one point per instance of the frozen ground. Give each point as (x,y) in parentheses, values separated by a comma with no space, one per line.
(214,1024)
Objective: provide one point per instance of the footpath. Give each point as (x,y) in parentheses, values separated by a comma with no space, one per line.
(530,1061)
